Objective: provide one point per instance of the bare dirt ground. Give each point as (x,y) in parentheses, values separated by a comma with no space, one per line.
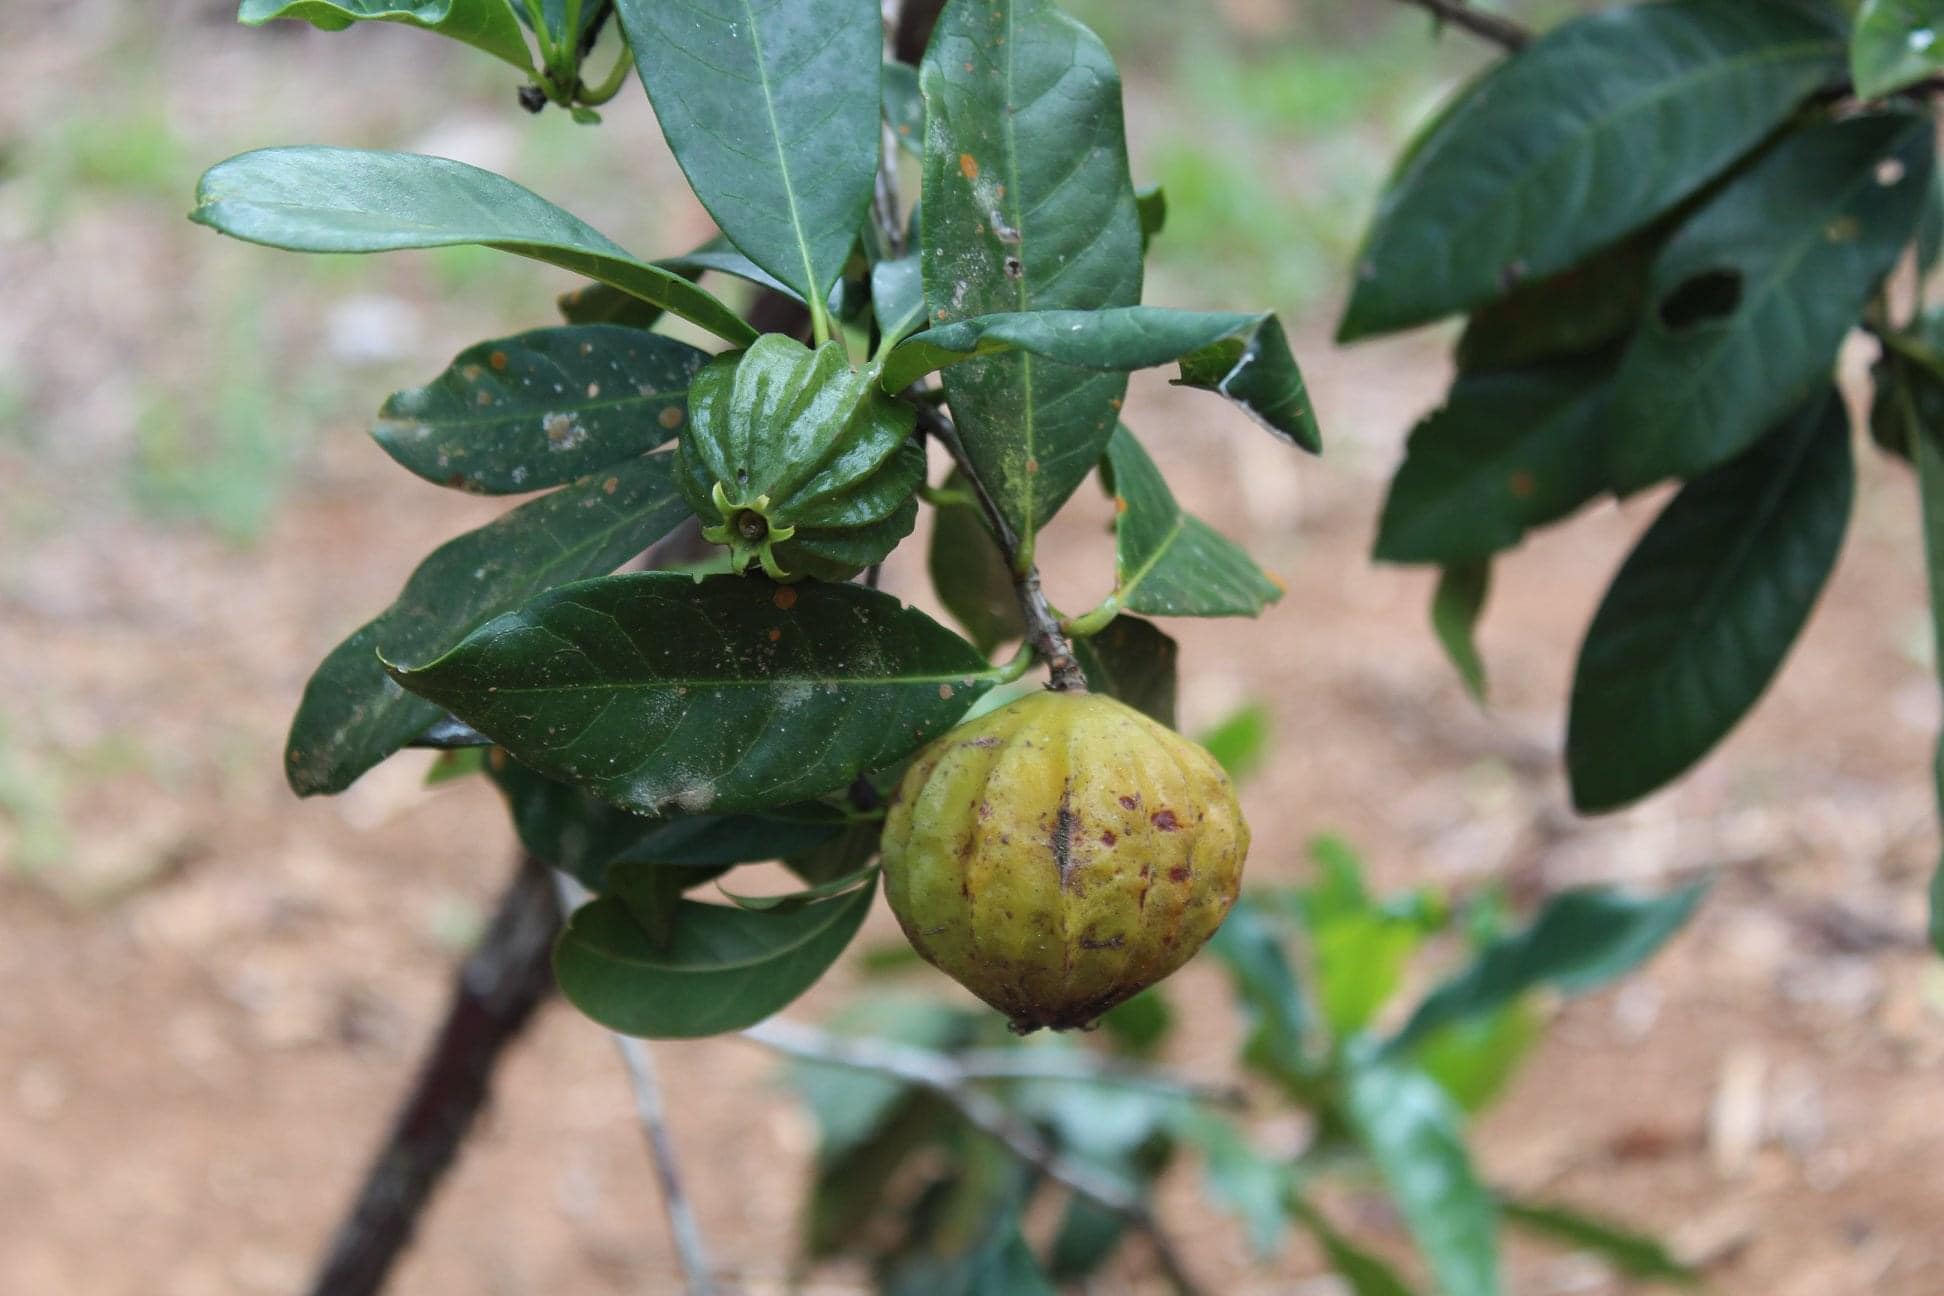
(213,992)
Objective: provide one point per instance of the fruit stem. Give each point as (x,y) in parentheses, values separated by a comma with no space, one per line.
(1043,633)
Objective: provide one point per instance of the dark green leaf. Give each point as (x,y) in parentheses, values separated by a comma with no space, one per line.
(1248,946)
(1930,226)
(660,694)
(1152,203)
(1455,608)
(1007,1267)
(1580,941)
(1581,310)
(1633,1254)
(586,836)
(772,111)
(1412,1132)
(1365,1273)
(1134,661)
(1086,1240)
(903,107)
(1508,452)
(653,895)
(483,24)
(1593,130)
(357,200)
(1756,293)
(597,303)
(792,901)
(720,256)
(352,717)
(1706,607)
(1896,43)
(1166,562)
(843,853)
(970,574)
(1240,742)
(1244,357)
(541,409)
(1917,390)
(722,969)
(1027,206)
(554,13)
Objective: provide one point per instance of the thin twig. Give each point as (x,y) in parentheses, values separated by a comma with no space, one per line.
(1043,631)
(653,1115)
(941,1075)
(1502,32)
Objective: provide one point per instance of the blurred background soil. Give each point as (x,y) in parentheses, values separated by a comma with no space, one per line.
(212,992)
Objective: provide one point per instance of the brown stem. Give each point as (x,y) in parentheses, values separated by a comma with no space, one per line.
(1502,32)
(1043,632)
(499,986)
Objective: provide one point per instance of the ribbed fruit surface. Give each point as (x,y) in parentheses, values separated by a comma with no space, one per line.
(1062,854)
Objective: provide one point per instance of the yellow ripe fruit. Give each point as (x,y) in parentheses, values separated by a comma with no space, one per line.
(1061,855)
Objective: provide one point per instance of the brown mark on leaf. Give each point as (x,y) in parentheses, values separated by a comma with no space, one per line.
(497,360)
(785,597)
(1523,485)
(1014,267)
(1164,819)
(670,418)
(610,486)
(945,692)
(968,165)
(775,634)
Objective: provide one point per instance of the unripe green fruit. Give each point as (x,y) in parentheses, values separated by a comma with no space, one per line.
(1061,855)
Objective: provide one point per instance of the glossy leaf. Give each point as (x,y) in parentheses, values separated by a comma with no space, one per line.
(897,298)
(1365,1273)
(1634,1254)
(772,112)
(1705,608)
(1166,562)
(1413,1134)
(597,303)
(1896,43)
(541,409)
(903,108)
(1580,941)
(358,200)
(662,694)
(721,970)
(1592,130)
(1244,357)
(970,574)
(1135,661)
(484,24)
(1755,294)
(1456,606)
(1152,203)
(1574,314)
(1509,451)
(719,256)
(352,717)
(1027,206)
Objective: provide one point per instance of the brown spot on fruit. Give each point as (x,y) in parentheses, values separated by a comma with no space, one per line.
(1180,873)
(1131,802)
(968,165)
(1107,838)
(785,597)
(1164,819)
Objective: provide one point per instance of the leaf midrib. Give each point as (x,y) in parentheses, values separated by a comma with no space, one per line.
(811,289)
